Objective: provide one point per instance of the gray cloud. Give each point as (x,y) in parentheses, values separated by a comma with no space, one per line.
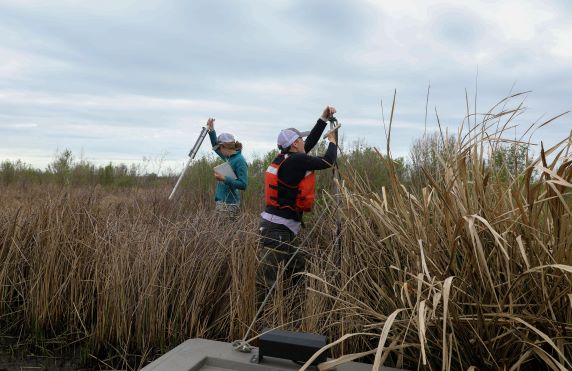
(457,27)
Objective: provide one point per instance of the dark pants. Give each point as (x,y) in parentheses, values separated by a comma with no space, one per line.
(275,252)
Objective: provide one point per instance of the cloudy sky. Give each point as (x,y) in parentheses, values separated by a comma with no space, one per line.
(124,81)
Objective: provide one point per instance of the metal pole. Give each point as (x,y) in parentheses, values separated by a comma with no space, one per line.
(334,126)
(192,155)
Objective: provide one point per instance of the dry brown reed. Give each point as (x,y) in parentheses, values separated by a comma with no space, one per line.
(125,271)
(467,270)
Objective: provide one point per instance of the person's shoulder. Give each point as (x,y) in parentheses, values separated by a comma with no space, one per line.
(243,160)
(296,159)
(238,157)
(298,155)
(301,157)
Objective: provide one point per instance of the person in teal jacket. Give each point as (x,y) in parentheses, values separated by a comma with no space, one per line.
(227,197)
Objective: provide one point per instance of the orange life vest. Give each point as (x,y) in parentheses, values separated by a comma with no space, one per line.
(278,194)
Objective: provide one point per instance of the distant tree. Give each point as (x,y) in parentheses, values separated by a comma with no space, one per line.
(426,155)
(7,172)
(105,174)
(366,164)
(61,167)
(509,161)
(83,172)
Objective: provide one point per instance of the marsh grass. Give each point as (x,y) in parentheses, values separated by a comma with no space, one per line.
(470,269)
(467,264)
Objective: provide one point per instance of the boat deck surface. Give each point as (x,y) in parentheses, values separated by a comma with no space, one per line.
(209,355)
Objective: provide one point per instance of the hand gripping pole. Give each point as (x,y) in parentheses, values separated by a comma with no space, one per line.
(192,155)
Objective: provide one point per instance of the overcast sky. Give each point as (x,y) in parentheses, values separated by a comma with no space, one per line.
(121,80)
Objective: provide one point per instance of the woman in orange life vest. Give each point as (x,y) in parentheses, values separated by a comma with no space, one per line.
(289,185)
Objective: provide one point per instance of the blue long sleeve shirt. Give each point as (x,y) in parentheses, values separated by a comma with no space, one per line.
(227,191)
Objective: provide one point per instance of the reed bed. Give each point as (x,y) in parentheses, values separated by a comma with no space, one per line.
(468,269)
(128,271)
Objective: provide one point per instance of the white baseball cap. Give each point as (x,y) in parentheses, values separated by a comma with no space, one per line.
(223,138)
(288,136)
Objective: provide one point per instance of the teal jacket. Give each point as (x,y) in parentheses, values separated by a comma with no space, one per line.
(227,191)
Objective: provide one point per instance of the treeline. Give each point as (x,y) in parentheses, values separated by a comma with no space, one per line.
(426,156)
(66,170)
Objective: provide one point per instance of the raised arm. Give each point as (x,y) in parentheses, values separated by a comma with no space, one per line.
(318,129)
(212,136)
(321,162)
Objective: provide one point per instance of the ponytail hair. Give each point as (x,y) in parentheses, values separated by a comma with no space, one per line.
(236,145)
